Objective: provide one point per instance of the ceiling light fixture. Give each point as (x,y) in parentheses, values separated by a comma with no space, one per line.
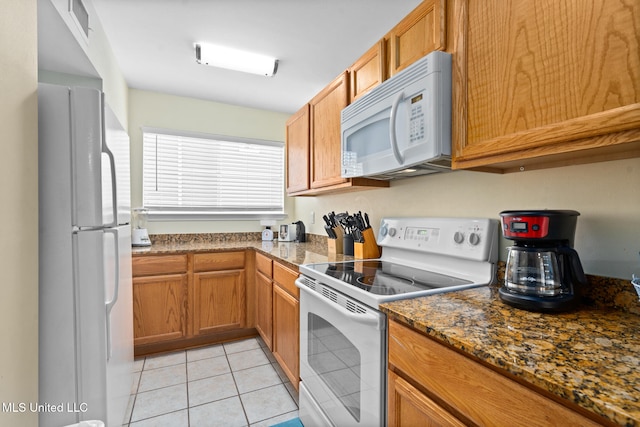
(233,59)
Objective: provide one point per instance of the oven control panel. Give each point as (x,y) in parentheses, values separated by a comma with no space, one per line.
(471,238)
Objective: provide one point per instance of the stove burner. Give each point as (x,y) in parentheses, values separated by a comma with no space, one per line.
(371,281)
(341,267)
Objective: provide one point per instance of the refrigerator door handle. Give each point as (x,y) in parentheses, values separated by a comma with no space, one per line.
(112,163)
(114,298)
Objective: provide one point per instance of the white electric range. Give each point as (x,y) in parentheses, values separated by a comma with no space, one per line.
(342,332)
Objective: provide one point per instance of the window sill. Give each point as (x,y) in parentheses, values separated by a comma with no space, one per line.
(201,216)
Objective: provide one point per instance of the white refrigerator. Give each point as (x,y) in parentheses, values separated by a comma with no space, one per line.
(85,294)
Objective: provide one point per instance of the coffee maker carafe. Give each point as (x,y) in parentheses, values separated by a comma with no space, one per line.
(543,271)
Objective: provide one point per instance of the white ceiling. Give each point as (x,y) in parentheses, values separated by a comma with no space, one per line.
(314,41)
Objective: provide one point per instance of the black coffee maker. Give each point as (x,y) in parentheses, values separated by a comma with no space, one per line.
(543,270)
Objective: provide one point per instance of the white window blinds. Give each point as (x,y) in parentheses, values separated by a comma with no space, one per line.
(212,175)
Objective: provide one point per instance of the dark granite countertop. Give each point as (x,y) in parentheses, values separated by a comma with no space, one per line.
(590,356)
(292,253)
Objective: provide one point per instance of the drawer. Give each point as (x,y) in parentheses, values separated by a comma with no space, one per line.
(159,264)
(264,265)
(216,261)
(480,394)
(285,277)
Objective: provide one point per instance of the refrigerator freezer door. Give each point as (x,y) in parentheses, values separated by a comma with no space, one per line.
(100,156)
(117,141)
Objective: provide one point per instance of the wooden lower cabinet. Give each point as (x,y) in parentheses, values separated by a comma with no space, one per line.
(286,322)
(219,301)
(196,299)
(189,300)
(408,407)
(159,308)
(160,289)
(431,384)
(219,292)
(264,299)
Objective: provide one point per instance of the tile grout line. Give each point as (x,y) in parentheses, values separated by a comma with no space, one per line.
(244,411)
(186,376)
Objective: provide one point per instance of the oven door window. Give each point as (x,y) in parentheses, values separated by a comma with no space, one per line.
(336,361)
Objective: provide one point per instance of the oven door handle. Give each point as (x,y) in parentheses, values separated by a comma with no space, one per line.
(369,318)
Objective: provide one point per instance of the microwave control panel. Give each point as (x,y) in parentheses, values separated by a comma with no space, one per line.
(416,119)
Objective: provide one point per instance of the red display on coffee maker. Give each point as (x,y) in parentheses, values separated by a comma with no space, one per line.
(525,227)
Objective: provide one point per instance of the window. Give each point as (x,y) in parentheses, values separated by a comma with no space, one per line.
(198,176)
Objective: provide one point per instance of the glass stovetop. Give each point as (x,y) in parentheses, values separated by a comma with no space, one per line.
(386,278)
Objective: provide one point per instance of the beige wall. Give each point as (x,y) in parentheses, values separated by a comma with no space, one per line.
(157,110)
(606,194)
(19,214)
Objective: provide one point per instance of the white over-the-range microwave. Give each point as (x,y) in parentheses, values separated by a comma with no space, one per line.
(402,127)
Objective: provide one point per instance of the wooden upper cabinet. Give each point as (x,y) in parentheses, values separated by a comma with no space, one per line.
(325,111)
(314,145)
(420,32)
(298,149)
(368,71)
(545,83)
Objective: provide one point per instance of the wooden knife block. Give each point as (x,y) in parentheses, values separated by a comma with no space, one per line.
(369,249)
(335,246)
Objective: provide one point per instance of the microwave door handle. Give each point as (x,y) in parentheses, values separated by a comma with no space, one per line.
(392,128)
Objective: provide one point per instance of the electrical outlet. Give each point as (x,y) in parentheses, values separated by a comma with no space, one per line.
(313,217)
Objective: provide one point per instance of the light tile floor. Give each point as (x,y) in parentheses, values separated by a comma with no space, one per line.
(232,384)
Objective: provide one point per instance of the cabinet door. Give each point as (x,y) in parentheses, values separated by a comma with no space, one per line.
(325,133)
(219,301)
(420,32)
(264,308)
(297,140)
(408,407)
(545,83)
(159,308)
(286,333)
(368,71)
